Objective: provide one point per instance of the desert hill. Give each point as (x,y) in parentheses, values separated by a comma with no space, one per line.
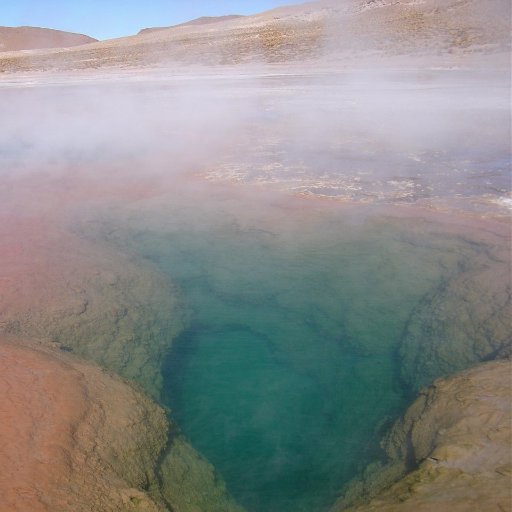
(349,31)
(32,38)
(203,20)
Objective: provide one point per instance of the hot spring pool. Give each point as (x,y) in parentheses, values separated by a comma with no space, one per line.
(292,367)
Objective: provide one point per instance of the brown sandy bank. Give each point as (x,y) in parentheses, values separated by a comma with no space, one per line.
(76,437)
(70,433)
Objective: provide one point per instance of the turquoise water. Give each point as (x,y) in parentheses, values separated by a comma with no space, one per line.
(288,372)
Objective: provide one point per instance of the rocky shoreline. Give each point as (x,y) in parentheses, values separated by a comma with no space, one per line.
(451,451)
(71,433)
(67,304)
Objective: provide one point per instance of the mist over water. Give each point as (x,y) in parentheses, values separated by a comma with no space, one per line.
(291,365)
(433,137)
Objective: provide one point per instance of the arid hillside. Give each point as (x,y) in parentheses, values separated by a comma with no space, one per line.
(349,32)
(33,38)
(203,20)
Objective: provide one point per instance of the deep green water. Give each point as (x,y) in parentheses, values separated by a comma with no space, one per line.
(288,373)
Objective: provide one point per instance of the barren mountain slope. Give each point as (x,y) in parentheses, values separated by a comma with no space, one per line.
(31,38)
(347,31)
(203,20)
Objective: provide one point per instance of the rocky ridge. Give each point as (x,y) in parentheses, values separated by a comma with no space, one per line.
(203,20)
(76,437)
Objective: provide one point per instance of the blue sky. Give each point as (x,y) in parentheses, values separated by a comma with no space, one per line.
(105,19)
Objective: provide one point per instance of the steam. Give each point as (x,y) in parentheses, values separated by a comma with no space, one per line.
(381,123)
(153,124)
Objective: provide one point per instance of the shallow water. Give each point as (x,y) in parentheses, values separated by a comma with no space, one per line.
(289,371)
